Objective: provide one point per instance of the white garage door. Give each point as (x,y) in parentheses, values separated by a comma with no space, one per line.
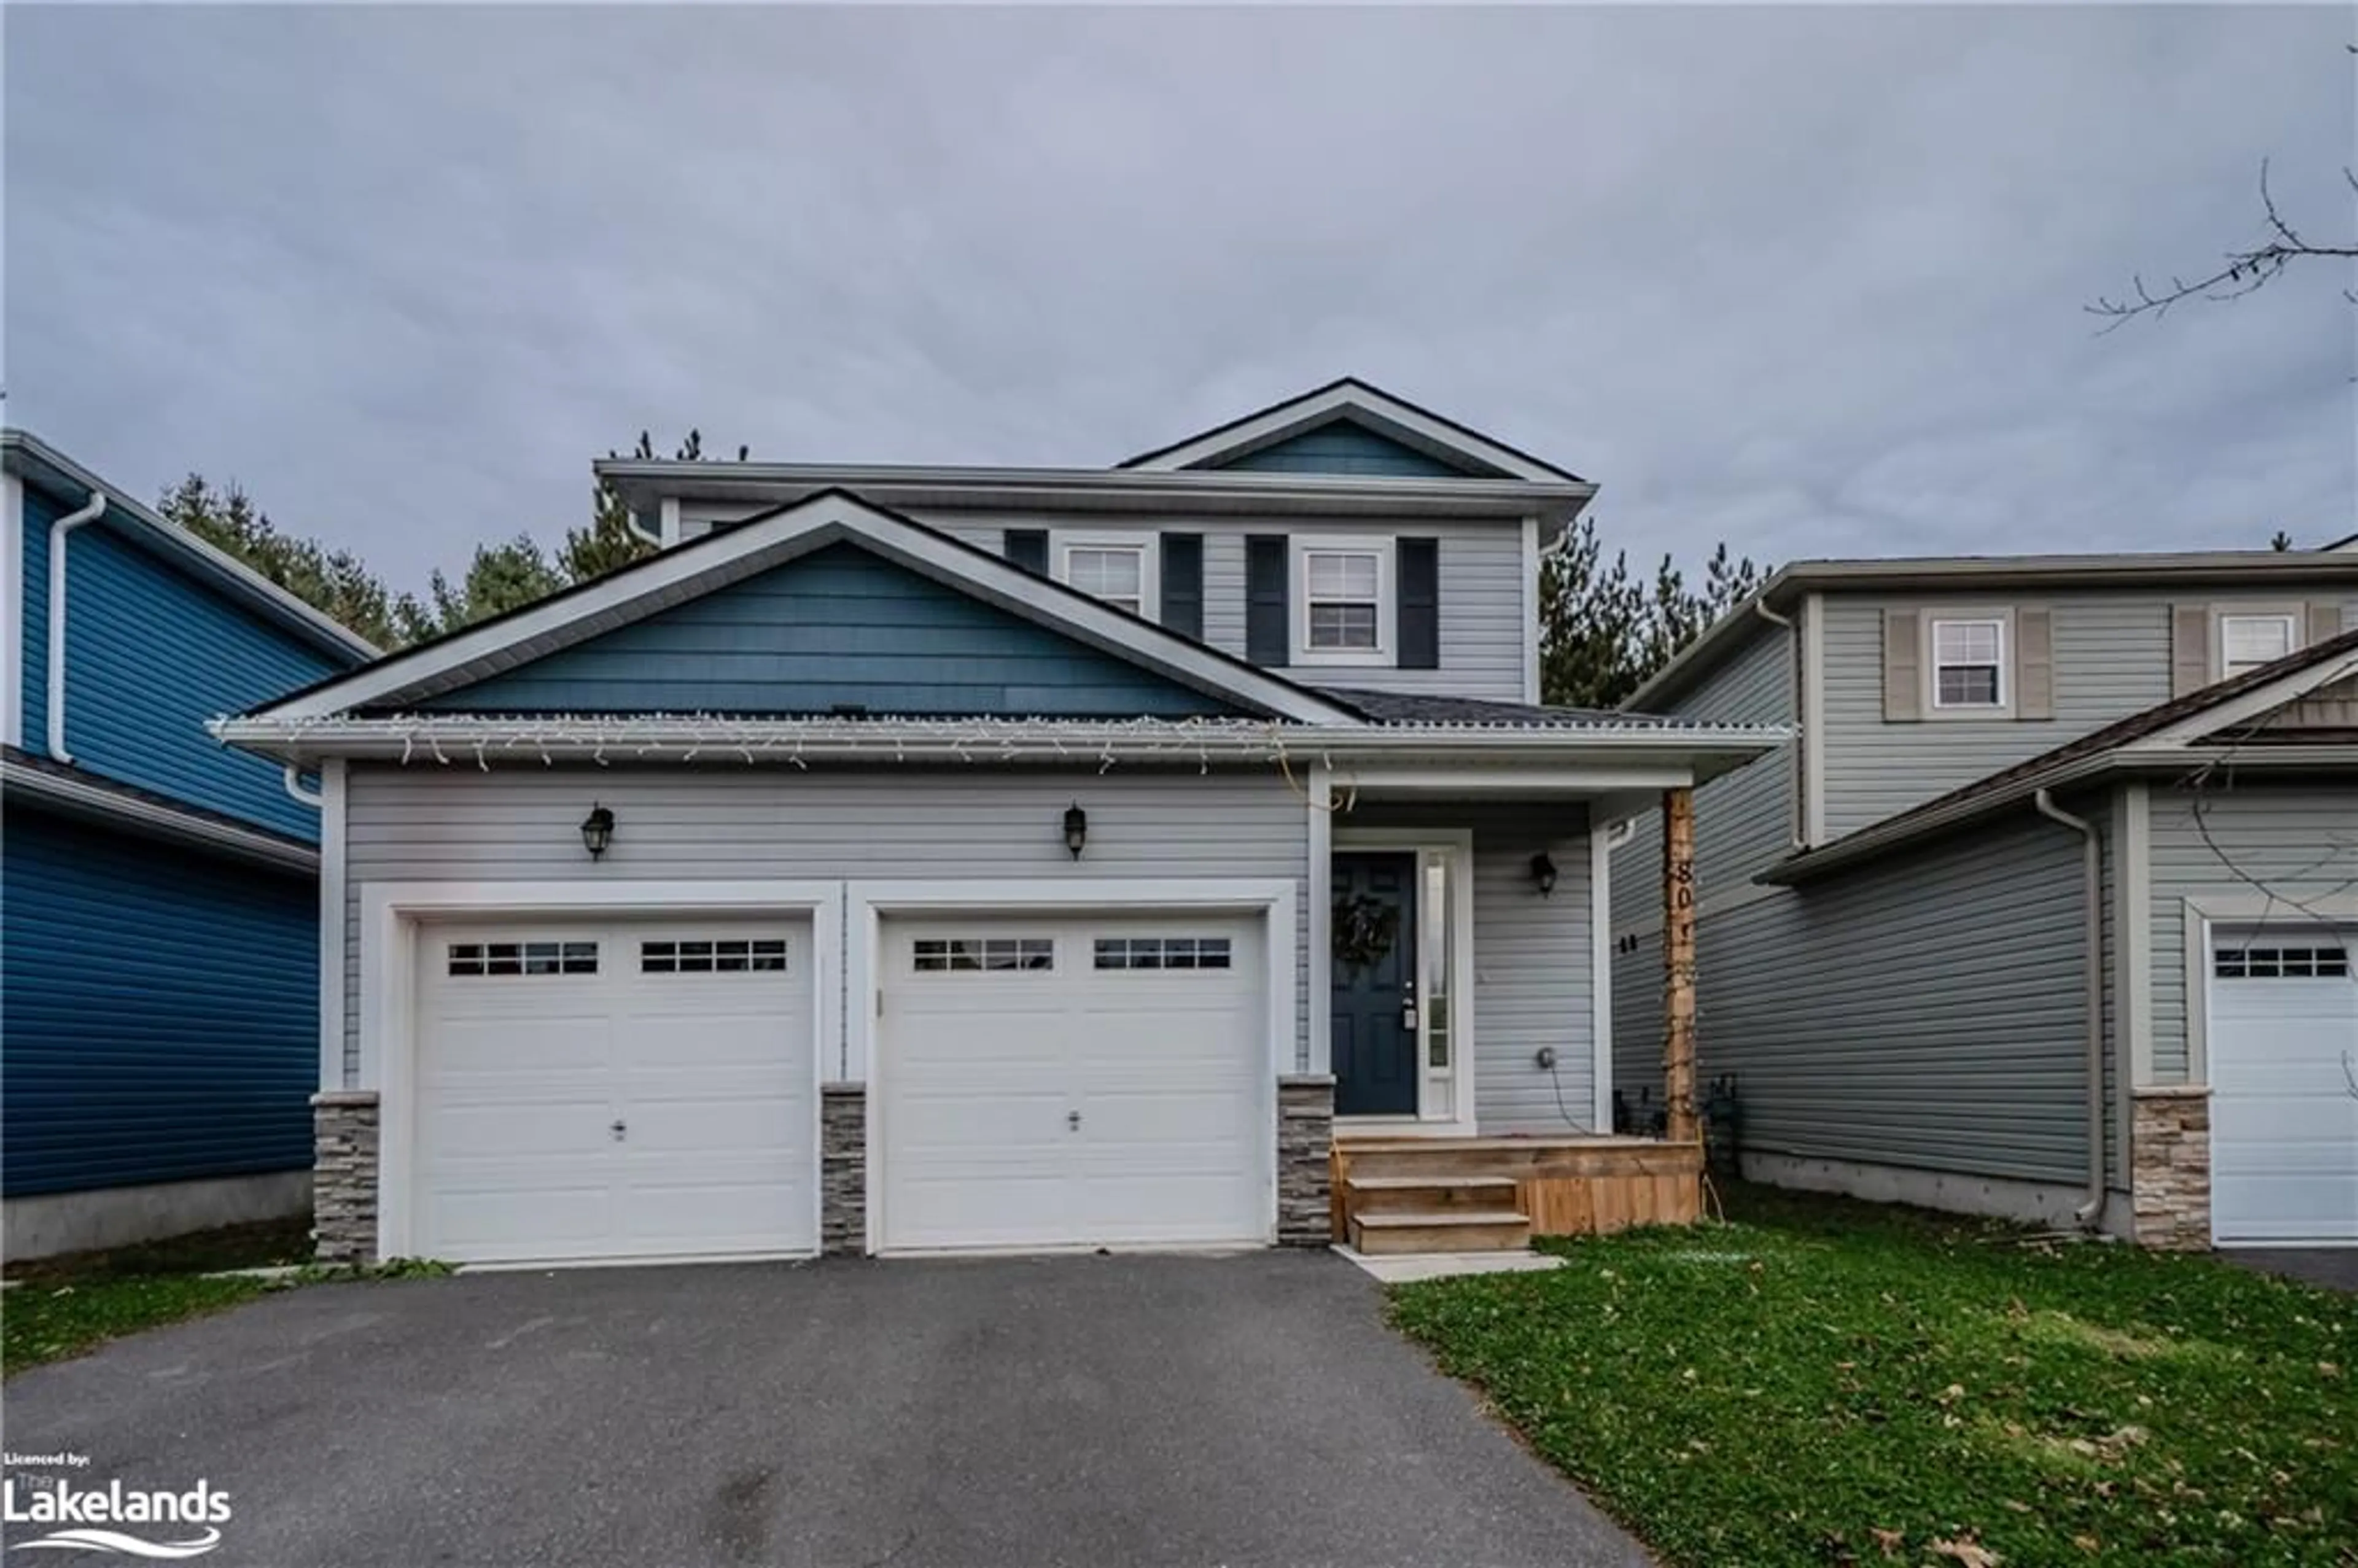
(2283,1086)
(1074,1081)
(617,1089)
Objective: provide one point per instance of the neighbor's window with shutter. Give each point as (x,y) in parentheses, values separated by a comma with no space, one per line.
(1969,664)
(2247,641)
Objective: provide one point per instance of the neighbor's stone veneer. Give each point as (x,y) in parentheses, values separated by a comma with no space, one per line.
(2169,1168)
(343,1176)
(843,1169)
(1305,1140)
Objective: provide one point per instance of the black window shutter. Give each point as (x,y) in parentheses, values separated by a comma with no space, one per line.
(1182,584)
(1267,603)
(1417,616)
(1028,548)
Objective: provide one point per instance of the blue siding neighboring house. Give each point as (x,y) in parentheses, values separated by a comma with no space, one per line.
(158,894)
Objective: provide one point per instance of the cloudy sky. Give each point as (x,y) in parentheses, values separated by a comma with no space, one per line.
(1809,280)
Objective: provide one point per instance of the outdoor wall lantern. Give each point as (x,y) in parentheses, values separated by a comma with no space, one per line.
(1544,873)
(596,831)
(1077,829)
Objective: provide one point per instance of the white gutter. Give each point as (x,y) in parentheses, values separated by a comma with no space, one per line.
(480,741)
(87,799)
(59,531)
(2093,879)
(293,779)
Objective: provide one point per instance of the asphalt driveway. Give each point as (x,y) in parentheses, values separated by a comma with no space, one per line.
(1084,1411)
(2334,1267)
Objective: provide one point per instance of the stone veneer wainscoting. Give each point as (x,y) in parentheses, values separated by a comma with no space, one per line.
(343,1176)
(2169,1168)
(1305,1141)
(843,1169)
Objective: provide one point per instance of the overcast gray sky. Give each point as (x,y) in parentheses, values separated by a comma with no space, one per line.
(1809,280)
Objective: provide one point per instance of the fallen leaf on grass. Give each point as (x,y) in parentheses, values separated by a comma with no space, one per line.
(1971,1554)
(1889,1540)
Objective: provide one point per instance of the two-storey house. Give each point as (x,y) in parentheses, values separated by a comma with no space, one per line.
(2051,909)
(159,895)
(906,859)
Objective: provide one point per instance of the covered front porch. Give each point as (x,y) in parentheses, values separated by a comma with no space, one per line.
(1466,1006)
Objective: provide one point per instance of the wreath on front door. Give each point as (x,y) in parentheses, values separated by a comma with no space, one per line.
(1364,929)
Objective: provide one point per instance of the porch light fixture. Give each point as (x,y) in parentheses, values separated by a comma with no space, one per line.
(596,831)
(1077,829)
(1544,873)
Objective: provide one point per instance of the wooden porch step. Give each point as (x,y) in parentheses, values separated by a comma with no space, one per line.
(1443,1231)
(1426,1193)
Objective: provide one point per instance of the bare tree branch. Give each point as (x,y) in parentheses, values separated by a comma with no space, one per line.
(2246,271)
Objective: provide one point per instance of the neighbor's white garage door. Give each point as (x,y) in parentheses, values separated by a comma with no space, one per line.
(616,1089)
(2283,1042)
(1073,1081)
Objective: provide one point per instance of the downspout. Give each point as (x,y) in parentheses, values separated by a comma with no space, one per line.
(301,796)
(1797,839)
(60,530)
(2091,857)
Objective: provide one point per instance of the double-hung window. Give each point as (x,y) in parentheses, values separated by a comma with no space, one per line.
(1969,664)
(1118,572)
(1343,601)
(2247,641)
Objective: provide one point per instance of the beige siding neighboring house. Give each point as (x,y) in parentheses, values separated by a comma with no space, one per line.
(1902,991)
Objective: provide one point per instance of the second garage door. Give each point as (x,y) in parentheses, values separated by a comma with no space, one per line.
(1073,1081)
(2283,1086)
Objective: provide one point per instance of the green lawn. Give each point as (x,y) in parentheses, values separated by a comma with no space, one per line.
(1825,1382)
(63,1306)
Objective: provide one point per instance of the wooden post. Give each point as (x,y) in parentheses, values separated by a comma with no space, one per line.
(1679,964)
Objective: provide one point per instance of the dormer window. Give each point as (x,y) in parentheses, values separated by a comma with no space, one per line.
(1119,572)
(1343,611)
(2247,641)
(1969,664)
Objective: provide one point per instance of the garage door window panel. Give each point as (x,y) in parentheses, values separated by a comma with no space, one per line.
(2282,962)
(754,955)
(1162,953)
(982,955)
(516,958)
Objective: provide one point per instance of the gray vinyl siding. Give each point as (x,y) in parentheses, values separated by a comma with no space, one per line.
(1744,820)
(1533,985)
(458,824)
(2111,659)
(2298,841)
(1483,612)
(1927,1012)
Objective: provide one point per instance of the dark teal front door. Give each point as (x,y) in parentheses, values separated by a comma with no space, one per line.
(1373,931)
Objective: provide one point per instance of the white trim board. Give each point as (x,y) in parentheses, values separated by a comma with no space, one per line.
(332,917)
(12,612)
(2203,913)
(715,562)
(1531,606)
(1454,846)
(391,914)
(866,903)
(1600,976)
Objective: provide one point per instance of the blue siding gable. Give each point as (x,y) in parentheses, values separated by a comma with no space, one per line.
(840,627)
(161,1010)
(1344,446)
(151,655)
